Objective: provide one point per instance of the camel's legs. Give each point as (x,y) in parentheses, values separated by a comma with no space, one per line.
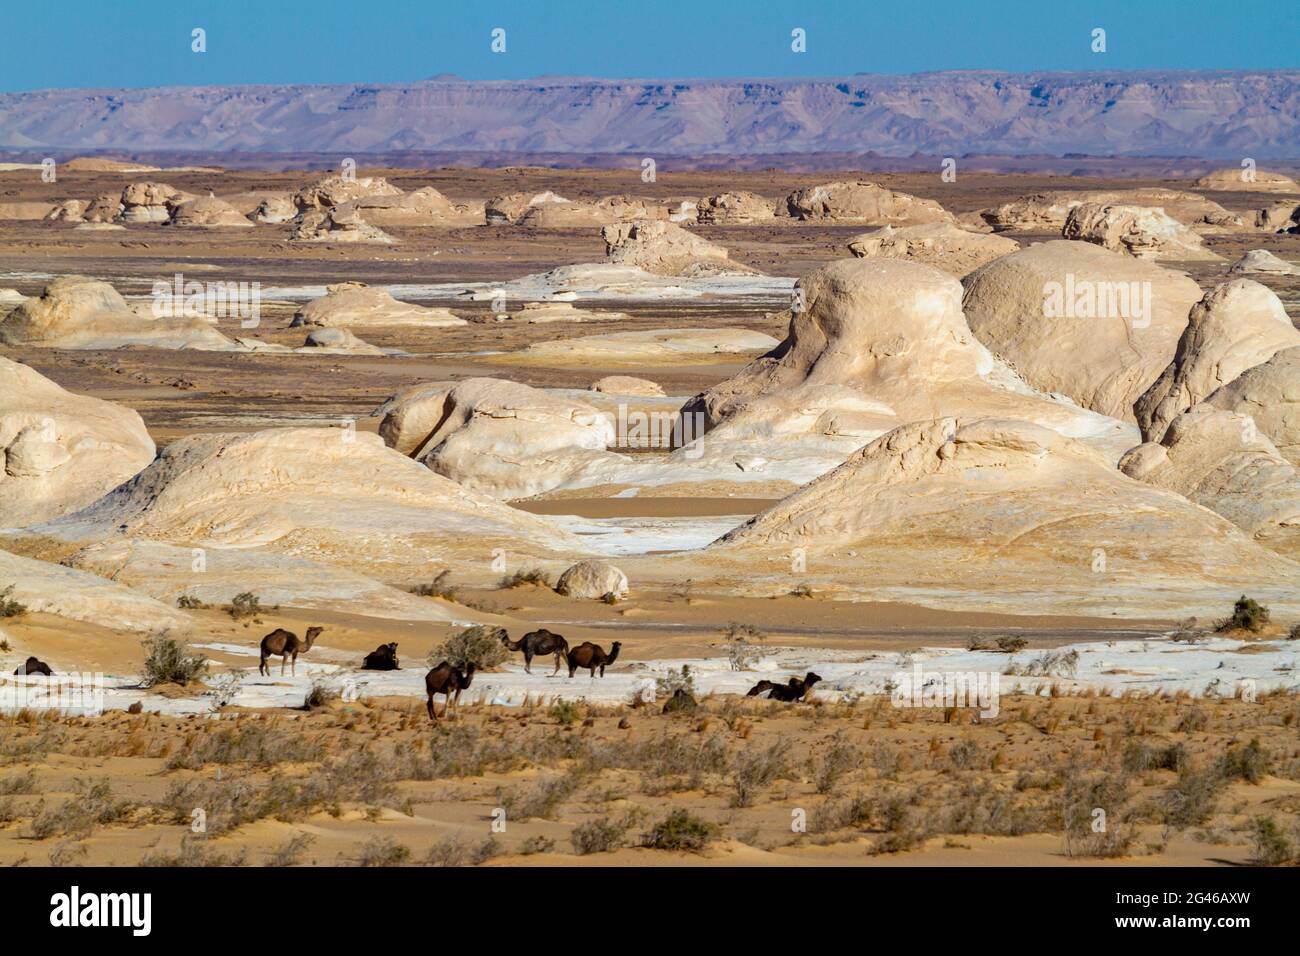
(432,708)
(557,664)
(528,663)
(284,660)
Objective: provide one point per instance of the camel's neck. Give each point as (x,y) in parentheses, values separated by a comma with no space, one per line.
(613,656)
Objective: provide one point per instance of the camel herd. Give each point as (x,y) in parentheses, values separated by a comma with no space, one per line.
(449,680)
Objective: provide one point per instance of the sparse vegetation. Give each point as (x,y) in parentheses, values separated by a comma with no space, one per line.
(439,587)
(188,602)
(534,576)
(480,645)
(1247,615)
(739,645)
(597,836)
(1011,643)
(681,830)
(670,682)
(245,606)
(9,607)
(168,661)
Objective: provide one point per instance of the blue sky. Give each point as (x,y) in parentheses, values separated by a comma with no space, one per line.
(132,43)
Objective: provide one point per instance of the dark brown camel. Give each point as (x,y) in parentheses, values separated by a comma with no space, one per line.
(382,658)
(591,656)
(34,665)
(538,643)
(447,680)
(793,690)
(288,646)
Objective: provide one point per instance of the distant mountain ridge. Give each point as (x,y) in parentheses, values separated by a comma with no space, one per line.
(1214,114)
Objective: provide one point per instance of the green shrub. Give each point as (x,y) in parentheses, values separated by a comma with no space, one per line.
(681,830)
(8,606)
(1247,615)
(245,606)
(168,661)
(739,645)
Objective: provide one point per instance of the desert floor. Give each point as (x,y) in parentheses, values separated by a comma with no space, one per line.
(369,781)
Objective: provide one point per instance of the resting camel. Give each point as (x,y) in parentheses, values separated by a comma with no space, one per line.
(538,643)
(34,665)
(591,656)
(382,658)
(447,680)
(793,690)
(288,646)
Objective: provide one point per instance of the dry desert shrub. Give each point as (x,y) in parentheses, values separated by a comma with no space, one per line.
(168,661)
(597,836)
(479,645)
(381,851)
(194,852)
(292,851)
(439,587)
(92,804)
(534,576)
(681,830)
(10,608)
(756,768)
(259,744)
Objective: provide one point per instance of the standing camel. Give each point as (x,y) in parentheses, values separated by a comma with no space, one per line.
(538,643)
(447,680)
(288,646)
(591,656)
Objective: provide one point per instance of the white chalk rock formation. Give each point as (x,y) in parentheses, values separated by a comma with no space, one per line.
(1279,217)
(70,210)
(538,313)
(880,342)
(1263,262)
(357,304)
(79,313)
(1220,460)
(150,202)
(339,340)
(423,207)
(665,248)
(1141,231)
(1047,212)
(499,437)
(592,580)
(991,513)
(60,451)
(338,224)
(862,202)
(734,209)
(1074,319)
(103,209)
(208,212)
(276,209)
(939,244)
(627,385)
(1253,181)
(1236,326)
(48,588)
(335,496)
(1270,394)
(340,190)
